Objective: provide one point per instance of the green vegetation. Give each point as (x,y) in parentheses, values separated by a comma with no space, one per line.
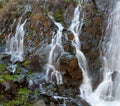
(13,96)
(26,63)
(59,16)
(11,77)
(21,98)
(3,67)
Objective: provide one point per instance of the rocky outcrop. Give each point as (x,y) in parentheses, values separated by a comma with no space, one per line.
(39,31)
(68,65)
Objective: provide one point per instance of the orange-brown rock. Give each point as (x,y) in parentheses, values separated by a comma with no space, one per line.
(70,36)
(69,66)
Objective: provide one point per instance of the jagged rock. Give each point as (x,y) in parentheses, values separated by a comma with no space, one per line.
(54,4)
(9,87)
(69,66)
(35,64)
(68,47)
(70,36)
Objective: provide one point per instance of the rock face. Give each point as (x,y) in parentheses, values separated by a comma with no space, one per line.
(69,67)
(40,103)
(39,32)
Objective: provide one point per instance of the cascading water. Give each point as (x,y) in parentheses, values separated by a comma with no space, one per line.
(75,28)
(56,43)
(56,46)
(108,91)
(15,44)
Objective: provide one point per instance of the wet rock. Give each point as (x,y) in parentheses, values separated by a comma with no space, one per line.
(40,103)
(68,47)
(90,38)
(35,19)
(35,64)
(28,9)
(9,87)
(69,66)
(32,64)
(5,57)
(101,5)
(21,81)
(55,4)
(70,36)
(52,104)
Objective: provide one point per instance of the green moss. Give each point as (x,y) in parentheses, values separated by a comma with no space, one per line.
(17,103)
(36,92)
(23,91)
(96,11)
(26,63)
(21,98)
(3,67)
(18,70)
(59,16)
(10,77)
(1,79)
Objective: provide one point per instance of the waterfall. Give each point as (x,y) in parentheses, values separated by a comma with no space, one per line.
(108,91)
(15,44)
(56,43)
(75,28)
(56,50)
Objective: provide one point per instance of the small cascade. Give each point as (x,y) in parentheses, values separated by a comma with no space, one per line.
(15,44)
(56,50)
(56,43)
(75,28)
(108,91)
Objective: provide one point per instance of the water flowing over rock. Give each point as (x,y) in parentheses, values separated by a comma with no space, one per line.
(107,92)
(56,50)
(68,65)
(75,28)
(59,57)
(15,44)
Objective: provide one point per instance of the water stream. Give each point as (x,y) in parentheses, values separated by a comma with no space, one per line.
(55,52)
(108,91)
(56,43)
(75,28)
(15,44)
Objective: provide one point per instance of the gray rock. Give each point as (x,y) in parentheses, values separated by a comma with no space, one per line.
(40,103)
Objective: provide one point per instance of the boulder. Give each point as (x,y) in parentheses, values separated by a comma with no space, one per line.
(40,103)
(68,65)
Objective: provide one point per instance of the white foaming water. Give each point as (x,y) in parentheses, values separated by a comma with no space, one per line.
(75,28)
(108,91)
(56,49)
(15,44)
